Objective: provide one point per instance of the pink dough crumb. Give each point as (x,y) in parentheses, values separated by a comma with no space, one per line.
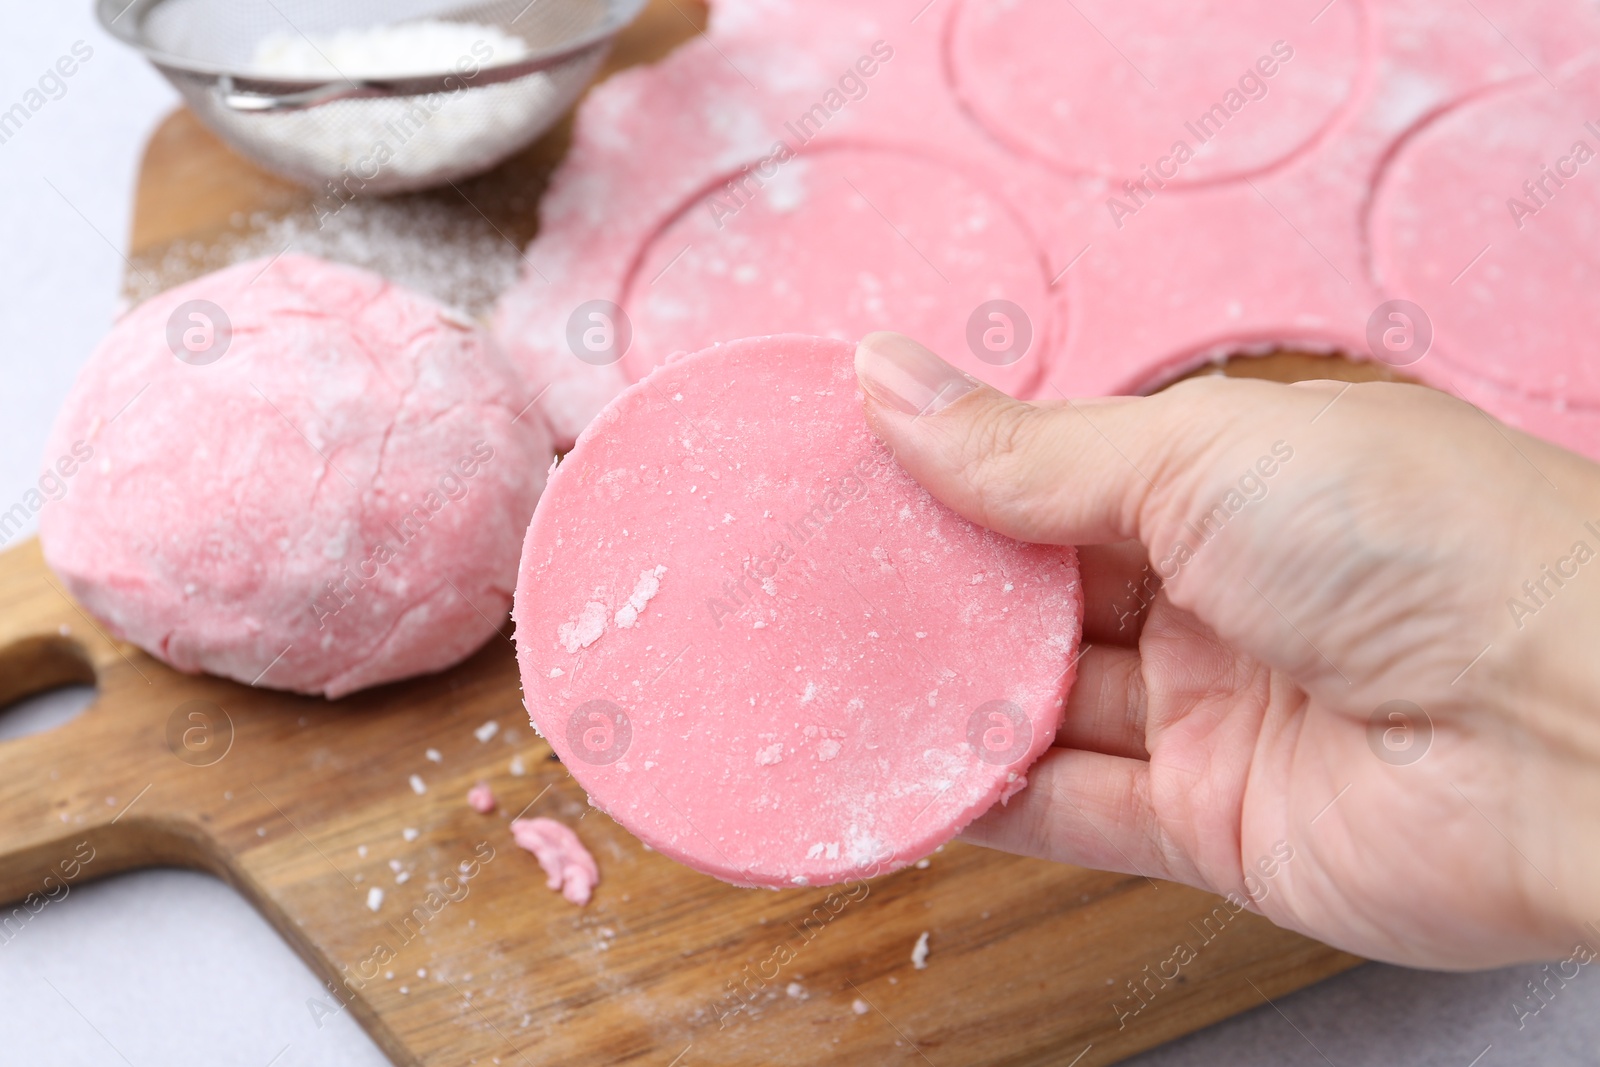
(567,864)
(481,798)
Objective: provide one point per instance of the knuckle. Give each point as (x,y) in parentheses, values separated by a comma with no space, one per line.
(999,461)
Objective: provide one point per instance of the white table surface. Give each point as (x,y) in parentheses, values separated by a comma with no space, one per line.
(172,967)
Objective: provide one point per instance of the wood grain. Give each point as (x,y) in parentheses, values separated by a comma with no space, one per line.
(300,804)
(1027,957)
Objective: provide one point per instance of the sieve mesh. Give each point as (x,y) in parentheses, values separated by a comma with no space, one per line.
(373,135)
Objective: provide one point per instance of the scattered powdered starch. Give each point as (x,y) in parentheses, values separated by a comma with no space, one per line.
(447,251)
(919,953)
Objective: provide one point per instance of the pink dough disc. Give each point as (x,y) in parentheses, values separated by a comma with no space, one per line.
(297,475)
(1107,87)
(1507,276)
(763,648)
(840,242)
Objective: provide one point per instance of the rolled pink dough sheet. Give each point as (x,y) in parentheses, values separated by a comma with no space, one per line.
(762,647)
(815,255)
(1328,165)
(331,499)
(1095,87)
(1488,217)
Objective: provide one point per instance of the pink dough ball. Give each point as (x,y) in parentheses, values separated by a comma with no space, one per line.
(298,475)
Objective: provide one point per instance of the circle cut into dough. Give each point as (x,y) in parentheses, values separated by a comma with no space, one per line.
(840,242)
(1489,218)
(1111,88)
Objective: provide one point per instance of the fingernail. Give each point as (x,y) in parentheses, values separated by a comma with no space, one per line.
(901,374)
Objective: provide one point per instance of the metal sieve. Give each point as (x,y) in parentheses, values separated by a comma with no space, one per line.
(372,135)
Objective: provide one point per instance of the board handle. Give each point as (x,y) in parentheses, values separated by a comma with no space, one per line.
(85,799)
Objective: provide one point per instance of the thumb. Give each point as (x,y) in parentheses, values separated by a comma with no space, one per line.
(1079,472)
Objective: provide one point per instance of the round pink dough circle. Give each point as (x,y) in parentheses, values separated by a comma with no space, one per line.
(1088,87)
(762,647)
(1489,219)
(331,499)
(839,242)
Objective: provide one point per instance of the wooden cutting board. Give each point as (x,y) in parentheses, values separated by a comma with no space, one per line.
(301,805)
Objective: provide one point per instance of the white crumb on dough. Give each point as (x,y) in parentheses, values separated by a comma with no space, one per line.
(486,731)
(410,833)
(585,630)
(1015,783)
(827,748)
(644,590)
(766,757)
(434,756)
(919,952)
(374,898)
(418,786)
(859,1006)
(556,672)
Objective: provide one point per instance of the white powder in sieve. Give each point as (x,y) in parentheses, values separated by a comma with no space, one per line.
(390,144)
(426,46)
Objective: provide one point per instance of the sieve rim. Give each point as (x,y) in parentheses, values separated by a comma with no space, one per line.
(109,13)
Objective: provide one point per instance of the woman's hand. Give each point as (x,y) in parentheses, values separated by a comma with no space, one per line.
(1354,625)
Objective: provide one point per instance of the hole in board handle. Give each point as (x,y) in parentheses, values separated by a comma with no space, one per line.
(45,682)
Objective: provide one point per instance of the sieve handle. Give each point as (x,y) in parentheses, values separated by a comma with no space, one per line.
(236,99)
